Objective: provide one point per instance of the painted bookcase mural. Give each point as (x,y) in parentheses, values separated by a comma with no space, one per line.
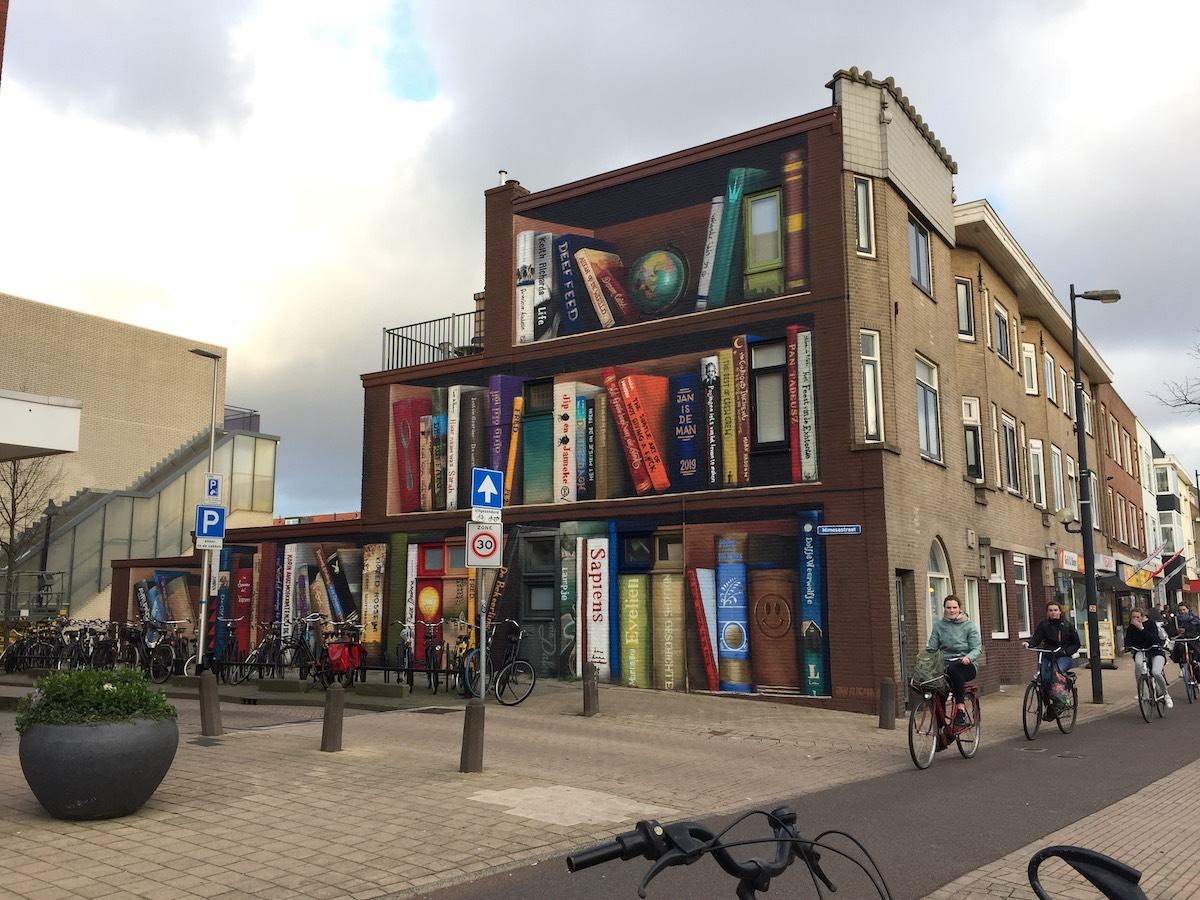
(731,416)
(708,235)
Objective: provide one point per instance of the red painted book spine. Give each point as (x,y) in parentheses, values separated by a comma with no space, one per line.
(706,648)
(795,215)
(642,402)
(633,454)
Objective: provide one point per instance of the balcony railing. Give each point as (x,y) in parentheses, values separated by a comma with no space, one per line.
(433,341)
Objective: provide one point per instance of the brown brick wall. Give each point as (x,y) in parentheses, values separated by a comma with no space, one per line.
(1113,474)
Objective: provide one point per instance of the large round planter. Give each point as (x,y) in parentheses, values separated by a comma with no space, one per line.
(97,771)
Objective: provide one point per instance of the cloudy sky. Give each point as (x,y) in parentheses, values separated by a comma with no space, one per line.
(287,178)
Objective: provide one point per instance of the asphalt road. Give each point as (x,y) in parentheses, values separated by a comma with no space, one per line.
(924,829)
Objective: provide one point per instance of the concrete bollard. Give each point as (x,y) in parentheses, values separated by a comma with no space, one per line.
(591,690)
(887,704)
(471,759)
(210,705)
(331,724)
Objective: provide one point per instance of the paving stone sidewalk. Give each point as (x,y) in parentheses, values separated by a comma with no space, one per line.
(261,812)
(1140,831)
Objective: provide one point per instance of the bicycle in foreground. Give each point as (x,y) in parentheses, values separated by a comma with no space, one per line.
(1039,706)
(1151,697)
(514,677)
(684,843)
(931,727)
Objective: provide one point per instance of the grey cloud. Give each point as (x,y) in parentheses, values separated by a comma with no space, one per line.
(162,65)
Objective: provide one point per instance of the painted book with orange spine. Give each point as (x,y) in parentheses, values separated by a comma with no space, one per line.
(646,399)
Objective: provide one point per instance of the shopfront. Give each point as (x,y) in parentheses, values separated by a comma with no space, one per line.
(1071,591)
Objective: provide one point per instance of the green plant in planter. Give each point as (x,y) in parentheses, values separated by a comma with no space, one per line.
(91,696)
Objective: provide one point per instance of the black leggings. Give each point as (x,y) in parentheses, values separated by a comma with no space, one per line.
(959,675)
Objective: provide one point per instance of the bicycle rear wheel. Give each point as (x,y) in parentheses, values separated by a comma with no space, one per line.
(1145,691)
(1031,711)
(102,657)
(922,732)
(1066,718)
(241,671)
(162,663)
(968,739)
(515,682)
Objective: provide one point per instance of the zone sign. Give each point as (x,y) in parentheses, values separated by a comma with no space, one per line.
(484,545)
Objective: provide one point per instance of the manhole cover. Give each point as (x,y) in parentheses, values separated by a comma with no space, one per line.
(435,710)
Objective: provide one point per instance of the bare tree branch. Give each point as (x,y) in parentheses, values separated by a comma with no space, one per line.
(1183,395)
(26,488)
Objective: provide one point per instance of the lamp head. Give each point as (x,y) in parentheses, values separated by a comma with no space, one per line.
(207,354)
(1108,296)
(1064,515)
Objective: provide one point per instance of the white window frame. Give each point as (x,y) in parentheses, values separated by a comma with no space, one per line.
(1094,501)
(1087,413)
(1122,523)
(918,241)
(1056,475)
(1012,455)
(1134,518)
(1024,462)
(1065,403)
(1114,438)
(1126,452)
(1037,473)
(872,387)
(971,598)
(1048,372)
(1029,368)
(1003,339)
(867,250)
(923,389)
(959,285)
(1162,485)
(1072,488)
(1021,585)
(972,425)
(934,597)
(997,578)
(999,466)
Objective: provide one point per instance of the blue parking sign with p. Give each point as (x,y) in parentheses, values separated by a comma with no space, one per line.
(210,522)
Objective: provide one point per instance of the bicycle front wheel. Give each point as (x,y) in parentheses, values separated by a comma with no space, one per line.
(968,739)
(1145,690)
(162,663)
(1066,718)
(515,682)
(922,733)
(1031,711)
(1189,684)
(241,671)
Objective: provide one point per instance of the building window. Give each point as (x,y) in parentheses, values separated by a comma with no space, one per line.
(1024,449)
(974,439)
(929,428)
(1133,527)
(918,256)
(768,363)
(1064,400)
(939,581)
(996,596)
(1029,368)
(1087,413)
(1037,473)
(1126,453)
(1114,438)
(1094,500)
(1012,456)
(1056,477)
(1147,471)
(996,446)
(1048,377)
(868,342)
(1072,488)
(1112,513)
(864,216)
(971,599)
(1162,481)
(1000,325)
(966,309)
(762,214)
(1167,531)
(1122,524)
(1021,593)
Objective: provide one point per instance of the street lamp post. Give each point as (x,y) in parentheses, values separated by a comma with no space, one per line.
(207,569)
(1085,498)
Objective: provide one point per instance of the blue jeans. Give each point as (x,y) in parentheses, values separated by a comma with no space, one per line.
(1062,662)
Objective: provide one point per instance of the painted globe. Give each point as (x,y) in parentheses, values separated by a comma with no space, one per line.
(657,281)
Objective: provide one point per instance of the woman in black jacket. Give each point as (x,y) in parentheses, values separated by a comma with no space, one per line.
(1144,640)
(1054,633)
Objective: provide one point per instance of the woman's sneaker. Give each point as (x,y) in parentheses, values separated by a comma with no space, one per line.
(960,718)
(1170,702)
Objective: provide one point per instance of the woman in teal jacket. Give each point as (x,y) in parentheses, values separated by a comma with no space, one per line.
(957,637)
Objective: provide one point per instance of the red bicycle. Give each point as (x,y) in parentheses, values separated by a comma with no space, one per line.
(931,726)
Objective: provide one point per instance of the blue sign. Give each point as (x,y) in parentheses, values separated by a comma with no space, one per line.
(210,523)
(487,488)
(839,529)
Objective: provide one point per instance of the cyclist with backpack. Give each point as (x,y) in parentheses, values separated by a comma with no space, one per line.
(1055,632)
(957,637)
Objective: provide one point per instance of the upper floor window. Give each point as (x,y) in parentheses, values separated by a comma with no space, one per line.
(1029,368)
(1037,473)
(864,217)
(1072,489)
(1056,477)
(1065,400)
(918,256)
(1122,528)
(1162,480)
(966,309)
(1001,333)
(1094,499)
(1012,456)
(974,438)
(929,429)
(768,362)
(872,387)
(1048,377)
(1087,413)
(1126,451)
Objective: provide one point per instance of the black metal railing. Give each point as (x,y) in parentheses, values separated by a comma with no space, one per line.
(35,596)
(438,339)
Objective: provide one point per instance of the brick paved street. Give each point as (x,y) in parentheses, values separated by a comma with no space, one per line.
(262,813)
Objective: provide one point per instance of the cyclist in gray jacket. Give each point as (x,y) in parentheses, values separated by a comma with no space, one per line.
(957,637)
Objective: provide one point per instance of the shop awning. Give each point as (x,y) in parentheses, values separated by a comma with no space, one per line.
(1116,584)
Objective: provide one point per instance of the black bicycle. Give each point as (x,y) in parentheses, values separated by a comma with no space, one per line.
(1039,705)
(684,843)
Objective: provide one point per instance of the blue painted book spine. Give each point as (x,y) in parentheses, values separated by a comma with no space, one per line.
(733,629)
(577,313)
(685,429)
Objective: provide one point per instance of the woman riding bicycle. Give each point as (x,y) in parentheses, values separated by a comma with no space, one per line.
(957,638)
(1142,639)
(1055,633)
(1184,624)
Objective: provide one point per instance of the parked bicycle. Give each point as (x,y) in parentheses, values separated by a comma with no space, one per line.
(229,659)
(404,653)
(340,656)
(514,676)
(264,660)
(296,649)
(931,727)
(1039,705)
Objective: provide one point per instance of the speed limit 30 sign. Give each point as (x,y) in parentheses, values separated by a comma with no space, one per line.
(484,545)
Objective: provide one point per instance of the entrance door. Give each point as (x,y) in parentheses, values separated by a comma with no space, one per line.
(540,602)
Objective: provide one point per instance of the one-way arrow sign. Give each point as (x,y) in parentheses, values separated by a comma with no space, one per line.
(487,495)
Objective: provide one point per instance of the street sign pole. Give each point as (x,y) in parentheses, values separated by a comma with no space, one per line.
(483,647)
